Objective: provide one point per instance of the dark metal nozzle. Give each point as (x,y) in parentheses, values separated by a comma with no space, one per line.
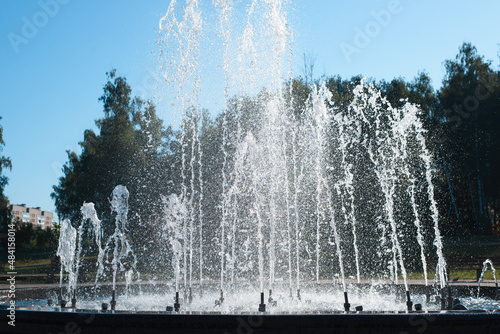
(262,306)
(409,303)
(113,301)
(347,306)
(177,305)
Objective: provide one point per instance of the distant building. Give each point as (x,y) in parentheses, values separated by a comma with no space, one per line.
(33,216)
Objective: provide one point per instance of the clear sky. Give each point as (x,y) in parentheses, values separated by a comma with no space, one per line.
(54,56)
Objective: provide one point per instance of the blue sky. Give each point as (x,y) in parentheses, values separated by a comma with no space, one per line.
(52,75)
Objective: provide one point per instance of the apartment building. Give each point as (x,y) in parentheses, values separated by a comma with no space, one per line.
(33,216)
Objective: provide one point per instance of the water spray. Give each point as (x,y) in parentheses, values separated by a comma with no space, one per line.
(270,300)
(218,302)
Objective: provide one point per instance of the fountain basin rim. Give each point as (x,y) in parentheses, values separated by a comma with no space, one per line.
(67,310)
(30,321)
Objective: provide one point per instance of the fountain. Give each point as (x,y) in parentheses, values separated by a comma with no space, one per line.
(322,206)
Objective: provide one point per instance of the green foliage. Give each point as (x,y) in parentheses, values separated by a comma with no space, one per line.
(5,163)
(29,238)
(470,142)
(128,150)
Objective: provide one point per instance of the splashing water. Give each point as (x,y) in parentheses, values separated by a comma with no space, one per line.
(89,213)
(485,267)
(66,252)
(303,193)
(175,213)
(123,256)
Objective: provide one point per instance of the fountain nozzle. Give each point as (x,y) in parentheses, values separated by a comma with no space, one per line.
(262,306)
(177,305)
(347,306)
(443,300)
(409,303)
(450,298)
(113,300)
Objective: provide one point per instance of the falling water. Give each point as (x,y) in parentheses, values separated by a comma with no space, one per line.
(192,211)
(384,153)
(175,211)
(346,184)
(66,252)
(123,256)
(183,72)
(288,215)
(296,191)
(320,118)
(89,213)
(485,267)
(225,30)
(426,157)
(200,209)
(407,122)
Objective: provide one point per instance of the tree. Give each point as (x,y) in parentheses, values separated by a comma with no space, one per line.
(469,99)
(5,163)
(127,151)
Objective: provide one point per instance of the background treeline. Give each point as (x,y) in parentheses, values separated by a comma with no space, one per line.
(134,148)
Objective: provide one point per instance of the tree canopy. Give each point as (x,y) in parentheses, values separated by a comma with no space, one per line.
(5,164)
(132,146)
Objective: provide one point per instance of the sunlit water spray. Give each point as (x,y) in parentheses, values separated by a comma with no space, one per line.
(291,181)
